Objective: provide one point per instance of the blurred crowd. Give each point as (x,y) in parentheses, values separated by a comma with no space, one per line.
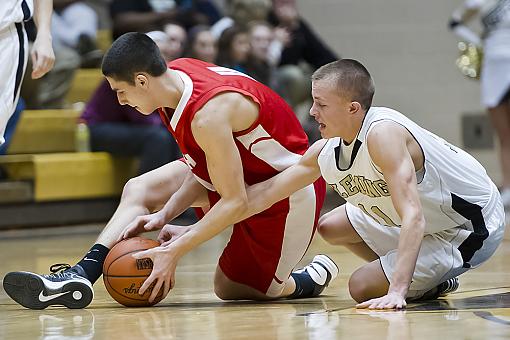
(266,39)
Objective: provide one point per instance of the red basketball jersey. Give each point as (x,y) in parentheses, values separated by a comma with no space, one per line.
(273,143)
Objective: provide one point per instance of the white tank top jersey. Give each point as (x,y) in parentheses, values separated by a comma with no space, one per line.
(454,188)
(13,11)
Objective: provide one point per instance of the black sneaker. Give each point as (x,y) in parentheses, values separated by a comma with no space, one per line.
(319,273)
(66,286)
(447,287)
(442,289)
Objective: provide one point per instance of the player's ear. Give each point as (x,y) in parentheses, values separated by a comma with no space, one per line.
(141,80)
(355,107)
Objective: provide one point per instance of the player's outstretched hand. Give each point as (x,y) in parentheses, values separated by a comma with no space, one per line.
(142,224)
(388,301)
(170,233)
(42,56)
(163,270)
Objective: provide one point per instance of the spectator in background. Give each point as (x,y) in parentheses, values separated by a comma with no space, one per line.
(171,43)
(234,48)
(304,45)
(147,15)
(241,13)
(304,53)
(495,71)
(201,44)
(74,25)
(49,92)
(266,46)
(122,130)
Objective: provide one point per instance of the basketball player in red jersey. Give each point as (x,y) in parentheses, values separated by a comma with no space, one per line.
(233,132)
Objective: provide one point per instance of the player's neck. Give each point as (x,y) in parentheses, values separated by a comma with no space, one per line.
(171,87)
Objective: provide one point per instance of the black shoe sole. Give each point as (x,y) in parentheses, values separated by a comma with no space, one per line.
(25,288)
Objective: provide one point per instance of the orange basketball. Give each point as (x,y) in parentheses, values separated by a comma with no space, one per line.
(123,275)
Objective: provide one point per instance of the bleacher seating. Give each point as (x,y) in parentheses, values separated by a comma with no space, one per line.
(69,176)
(46,174)
(84,83)
(42,131)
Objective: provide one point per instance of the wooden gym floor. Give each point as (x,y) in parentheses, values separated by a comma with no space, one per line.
(479,310)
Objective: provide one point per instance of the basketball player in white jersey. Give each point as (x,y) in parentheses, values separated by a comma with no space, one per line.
(14,50)
(420,210)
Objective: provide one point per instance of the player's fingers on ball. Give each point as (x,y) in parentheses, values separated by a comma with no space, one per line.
(150,225)
(155,289)
(143,254)
(167,287)
(147,283)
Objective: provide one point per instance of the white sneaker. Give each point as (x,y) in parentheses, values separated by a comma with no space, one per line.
(322,270)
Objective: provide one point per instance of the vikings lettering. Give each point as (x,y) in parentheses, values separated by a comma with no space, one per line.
(353,185)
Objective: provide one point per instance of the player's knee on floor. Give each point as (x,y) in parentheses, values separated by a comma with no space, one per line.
(226,293)
(357,289)
(227,290)
(363,287)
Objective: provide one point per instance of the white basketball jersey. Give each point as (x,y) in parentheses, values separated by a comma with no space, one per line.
(12,11)
(453,186)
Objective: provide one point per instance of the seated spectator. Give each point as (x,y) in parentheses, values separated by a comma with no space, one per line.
(74,25)
(303,54)
(122,130)
(234,48)
(241,13)
(201,44)
(49,91)
(265,51)
(304,44)
(147,15)
(171,42)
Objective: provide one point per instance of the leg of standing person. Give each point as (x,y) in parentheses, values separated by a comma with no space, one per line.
(500,116)
(13,56)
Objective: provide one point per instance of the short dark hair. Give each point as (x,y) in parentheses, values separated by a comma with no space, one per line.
(131,53)
(352,79)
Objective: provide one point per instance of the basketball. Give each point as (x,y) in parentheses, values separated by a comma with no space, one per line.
(123,275)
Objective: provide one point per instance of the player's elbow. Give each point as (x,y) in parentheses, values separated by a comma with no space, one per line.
(239,206)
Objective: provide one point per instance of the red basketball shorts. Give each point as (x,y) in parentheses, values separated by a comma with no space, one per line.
(265,248)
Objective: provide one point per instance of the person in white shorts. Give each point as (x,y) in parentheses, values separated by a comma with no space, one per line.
(420,210)
(14,50)
(494,16)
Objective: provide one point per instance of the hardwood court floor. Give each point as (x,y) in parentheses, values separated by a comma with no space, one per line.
(479,310)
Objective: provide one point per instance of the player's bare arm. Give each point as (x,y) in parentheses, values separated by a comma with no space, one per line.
(262,195)
(42,54)
(190,193)
(212,128)
(396,153)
